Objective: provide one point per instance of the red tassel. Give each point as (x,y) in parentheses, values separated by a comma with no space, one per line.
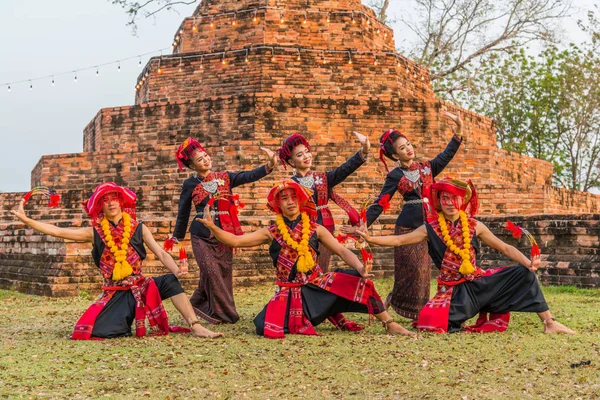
(27,197)
(384,202)
(182,254)
(342,238)
(54,200)
(235,197)
(241,205)
(535,250)
(515,229)
(365,255)
(211,201)
(363,215)
(169,243)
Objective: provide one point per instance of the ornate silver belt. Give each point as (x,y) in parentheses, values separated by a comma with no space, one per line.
(322,207)
(212,213)
(418,201)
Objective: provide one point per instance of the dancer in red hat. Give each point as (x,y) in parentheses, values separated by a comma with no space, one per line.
(118,250)
(452,235)
(412,265)
(213,298)
(295,152)
(306,296)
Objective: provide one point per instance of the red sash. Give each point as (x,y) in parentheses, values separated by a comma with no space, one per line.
(148,305)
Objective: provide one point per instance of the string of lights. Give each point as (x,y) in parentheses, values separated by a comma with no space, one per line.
(351,56)
(75,72)
(357,16)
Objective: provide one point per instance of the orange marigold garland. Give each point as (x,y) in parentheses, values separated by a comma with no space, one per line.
(466,267)
(518,231)
(305,261)
(122,269)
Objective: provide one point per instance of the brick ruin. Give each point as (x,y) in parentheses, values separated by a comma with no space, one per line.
(245,74)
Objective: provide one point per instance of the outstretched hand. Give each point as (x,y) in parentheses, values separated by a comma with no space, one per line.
(348,229)
(457,120)
(183,269)
(19,213)
(364,142)
(535,264)
(363,232)
(365,271)
(206,219)
(271,157)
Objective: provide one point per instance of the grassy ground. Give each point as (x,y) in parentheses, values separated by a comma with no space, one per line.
(39,361)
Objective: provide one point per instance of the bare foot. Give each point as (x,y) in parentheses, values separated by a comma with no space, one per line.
(552,326)
(200,331)
(396,329)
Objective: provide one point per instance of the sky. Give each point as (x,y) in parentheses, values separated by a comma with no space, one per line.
(41,38)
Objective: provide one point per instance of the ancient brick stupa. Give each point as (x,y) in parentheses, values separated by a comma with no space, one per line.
(245,74)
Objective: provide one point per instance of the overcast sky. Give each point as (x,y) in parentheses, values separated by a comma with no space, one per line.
(41,37)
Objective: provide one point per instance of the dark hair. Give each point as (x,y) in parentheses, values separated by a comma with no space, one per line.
(288,146)
(388,145)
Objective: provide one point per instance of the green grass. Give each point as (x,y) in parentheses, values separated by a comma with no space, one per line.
(39,361)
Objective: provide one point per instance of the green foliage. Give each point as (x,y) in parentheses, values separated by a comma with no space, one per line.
(547,106)
(39,361)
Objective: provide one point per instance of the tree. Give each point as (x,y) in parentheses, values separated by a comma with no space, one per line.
(454,35)
(148,8)
(548,106)
(380,7)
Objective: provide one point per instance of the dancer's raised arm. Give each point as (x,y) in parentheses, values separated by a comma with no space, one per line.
(75,234)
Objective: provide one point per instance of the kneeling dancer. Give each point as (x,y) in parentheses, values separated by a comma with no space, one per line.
(464,289)
(306,296)
(118,250)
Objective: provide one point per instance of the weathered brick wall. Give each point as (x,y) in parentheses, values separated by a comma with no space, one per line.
(235,108)
(570,246)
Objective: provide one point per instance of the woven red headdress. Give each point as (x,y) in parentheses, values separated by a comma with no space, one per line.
(387,137)
(127,199)
(185,150)
(304,196)
(288,146)
(461,189)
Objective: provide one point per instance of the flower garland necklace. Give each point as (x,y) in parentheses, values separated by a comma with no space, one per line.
(122,268)
(305,261)
(466,268)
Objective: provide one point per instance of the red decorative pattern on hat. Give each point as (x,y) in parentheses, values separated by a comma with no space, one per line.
(185,150)
(288,146)
(304,196)
(93,207)
(456,187)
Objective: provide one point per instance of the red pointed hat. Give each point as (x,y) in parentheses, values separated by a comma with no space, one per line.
(462,189)
(185,150)
(304,196)
(93,207)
